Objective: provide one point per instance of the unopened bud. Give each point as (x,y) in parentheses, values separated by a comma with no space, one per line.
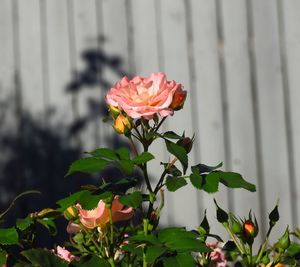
(236,226)
(122,124)
(284,241)
(71,213)
(274,216)
(178,99)
(186,143)
(222,215)
(114,111)
(204,228)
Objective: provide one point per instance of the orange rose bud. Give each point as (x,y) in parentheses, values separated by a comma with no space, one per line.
(122,124)
(249,229)
(71,213)
(178,99)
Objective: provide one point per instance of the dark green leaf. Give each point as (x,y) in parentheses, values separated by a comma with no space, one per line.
(88,165)
(90,261)
(104,153)
(150,239)
(23,224)
(49,225)
(134,199)
(143,158)
(3,256)
(126,166)
(293,250)
(123,153)
(179,152)
(70,200)
(202,168)
(171,135)
(173,170)
(196,180)
(43,258)
(235,180)
(89,201)
(180,260)
(154,252)
(211,183)
(174,183)
(9,236)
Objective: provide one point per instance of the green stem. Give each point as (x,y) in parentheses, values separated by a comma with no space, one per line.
(262,248)
(111,226)
(234,239)
(133,146)
(250,256)
(146,222)
(160,123)
(111,262)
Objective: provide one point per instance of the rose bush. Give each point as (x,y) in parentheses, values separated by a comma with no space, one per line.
(145,97)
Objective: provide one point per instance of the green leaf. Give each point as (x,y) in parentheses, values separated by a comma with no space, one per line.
(143,158)
(171,135)
(49,225)
(174,183)
(173,170)
(235,180)
(196,180)
(150,239)
(179,152)
(181,240)
(123,153)
(134,199)
(3,257)
(104,153)
(9,236)
(23,224)
(211,183)
(87,165)
(70,200)
(43,258)
(180,260)
(202,168)
(126,166)
(293,250)
(90,261)
(89,201)
(154,252)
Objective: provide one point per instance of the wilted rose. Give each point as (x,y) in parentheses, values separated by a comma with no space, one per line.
(147,96)
(99,216)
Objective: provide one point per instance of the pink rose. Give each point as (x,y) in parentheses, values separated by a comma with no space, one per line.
(73,228)
(100,215)
(217,256)
(145,97)
(65,254)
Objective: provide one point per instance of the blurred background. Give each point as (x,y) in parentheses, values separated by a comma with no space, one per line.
(239,60)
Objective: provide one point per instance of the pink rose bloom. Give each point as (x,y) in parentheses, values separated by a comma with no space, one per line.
(217,256)
(65,254)
(99,216)
(147,96)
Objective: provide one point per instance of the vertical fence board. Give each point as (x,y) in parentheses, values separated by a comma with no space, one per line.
(239,104)
(59,67)
(271,109)
(31,57)
(291,40)
(208,103)
(176,66)
(86,39)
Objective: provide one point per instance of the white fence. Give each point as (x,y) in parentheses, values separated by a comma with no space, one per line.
(238,59)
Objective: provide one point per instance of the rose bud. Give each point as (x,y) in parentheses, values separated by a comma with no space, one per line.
(114,111)
(274,216)
(235,224)
(204,228)
(284,241)
(250,230)
(222,215)
(122,124)
(178,99)
(186,143)
(71,213)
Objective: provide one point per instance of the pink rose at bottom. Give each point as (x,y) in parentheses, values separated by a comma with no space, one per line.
(217,256)
(65,254)
(99,216)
